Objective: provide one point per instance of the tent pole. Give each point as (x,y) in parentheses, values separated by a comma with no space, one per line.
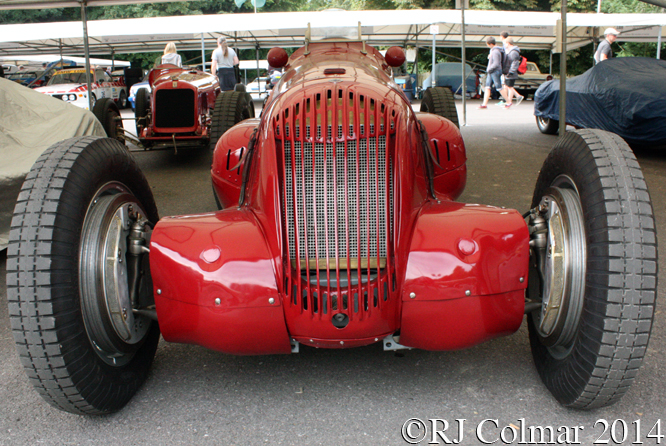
(659,44)
(113,60)
(60,41)
(84,19)
(258,72)
(550,67)
(463,89)
(433,80)
(203,54)
(563,72)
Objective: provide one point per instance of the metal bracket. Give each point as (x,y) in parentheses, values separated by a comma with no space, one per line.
(295,346)
(392,343)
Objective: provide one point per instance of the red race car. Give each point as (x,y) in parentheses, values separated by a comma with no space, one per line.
(338,229)
(177,111)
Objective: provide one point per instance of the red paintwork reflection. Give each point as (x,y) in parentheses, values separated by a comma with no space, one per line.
(448,156)
(463,284)
(214,280)
(227,169)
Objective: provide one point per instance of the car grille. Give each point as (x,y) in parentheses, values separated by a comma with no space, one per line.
(337,181)
(174,108)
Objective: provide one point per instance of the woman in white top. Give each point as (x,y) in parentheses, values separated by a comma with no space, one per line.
(224,59)
(170,55)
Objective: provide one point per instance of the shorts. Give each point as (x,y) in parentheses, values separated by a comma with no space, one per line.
(509,82)
(494,78)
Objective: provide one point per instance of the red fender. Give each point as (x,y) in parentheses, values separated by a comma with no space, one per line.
(214,284)
(465,282)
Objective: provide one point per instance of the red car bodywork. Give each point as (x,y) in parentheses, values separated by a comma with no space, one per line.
(180,104)
(340,227)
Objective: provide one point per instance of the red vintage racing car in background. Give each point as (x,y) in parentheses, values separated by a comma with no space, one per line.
(178,108)
(339,229)
(181,108)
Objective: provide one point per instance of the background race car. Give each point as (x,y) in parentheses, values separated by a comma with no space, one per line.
(70,85)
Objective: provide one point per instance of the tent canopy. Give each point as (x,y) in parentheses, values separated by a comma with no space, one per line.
(287,29)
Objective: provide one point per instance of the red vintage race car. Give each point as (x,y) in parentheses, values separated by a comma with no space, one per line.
(178,112)
(338,229)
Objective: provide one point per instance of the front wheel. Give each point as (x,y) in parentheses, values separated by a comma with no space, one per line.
(231,107)
(439,101)
(594,269)
(122,99)
(107,113)
(547,126)
(79,297)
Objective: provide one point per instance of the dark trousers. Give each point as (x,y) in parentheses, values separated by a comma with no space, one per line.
(227,78)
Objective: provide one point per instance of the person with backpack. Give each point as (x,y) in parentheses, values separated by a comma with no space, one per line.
(512,61)
(493,71)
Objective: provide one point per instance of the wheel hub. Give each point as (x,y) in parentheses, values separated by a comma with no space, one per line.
(113,328)
(561,264)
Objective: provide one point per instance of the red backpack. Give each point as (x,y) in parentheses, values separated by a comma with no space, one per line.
(522,68)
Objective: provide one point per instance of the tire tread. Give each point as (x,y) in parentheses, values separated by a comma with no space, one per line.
(621,276)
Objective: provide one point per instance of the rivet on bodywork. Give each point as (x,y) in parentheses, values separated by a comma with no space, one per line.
(217,301)
(342,342)
(468,293)
(522,279)
(412,295)
(271,301)
(159,291)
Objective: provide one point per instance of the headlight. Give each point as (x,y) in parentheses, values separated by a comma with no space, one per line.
(72,97)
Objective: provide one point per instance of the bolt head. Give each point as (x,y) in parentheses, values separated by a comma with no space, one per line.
(159,291)
(522,279)
(271,301)
(217,301)
(412,295)
(468,293)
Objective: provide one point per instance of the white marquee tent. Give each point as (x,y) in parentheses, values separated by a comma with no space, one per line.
(532,30)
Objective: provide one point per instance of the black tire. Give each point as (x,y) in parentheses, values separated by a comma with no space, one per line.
(230,108)
(439,101)
(107,113)
(250,105)
(547,126)
(239,87)
(51,305)
(589,346)
(141,109)
(218,203)
(122,100)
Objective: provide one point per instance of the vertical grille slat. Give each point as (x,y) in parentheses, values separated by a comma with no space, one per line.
(337,204)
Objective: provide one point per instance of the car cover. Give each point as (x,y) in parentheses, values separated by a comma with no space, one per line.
(624,95)
(30,122)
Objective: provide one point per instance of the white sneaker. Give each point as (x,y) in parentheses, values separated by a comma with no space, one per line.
(519,100)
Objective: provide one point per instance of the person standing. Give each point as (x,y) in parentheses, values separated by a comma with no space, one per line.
(224,59)
(503,36)
(604,50)
(510,69)
(493,71)
(170,56)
